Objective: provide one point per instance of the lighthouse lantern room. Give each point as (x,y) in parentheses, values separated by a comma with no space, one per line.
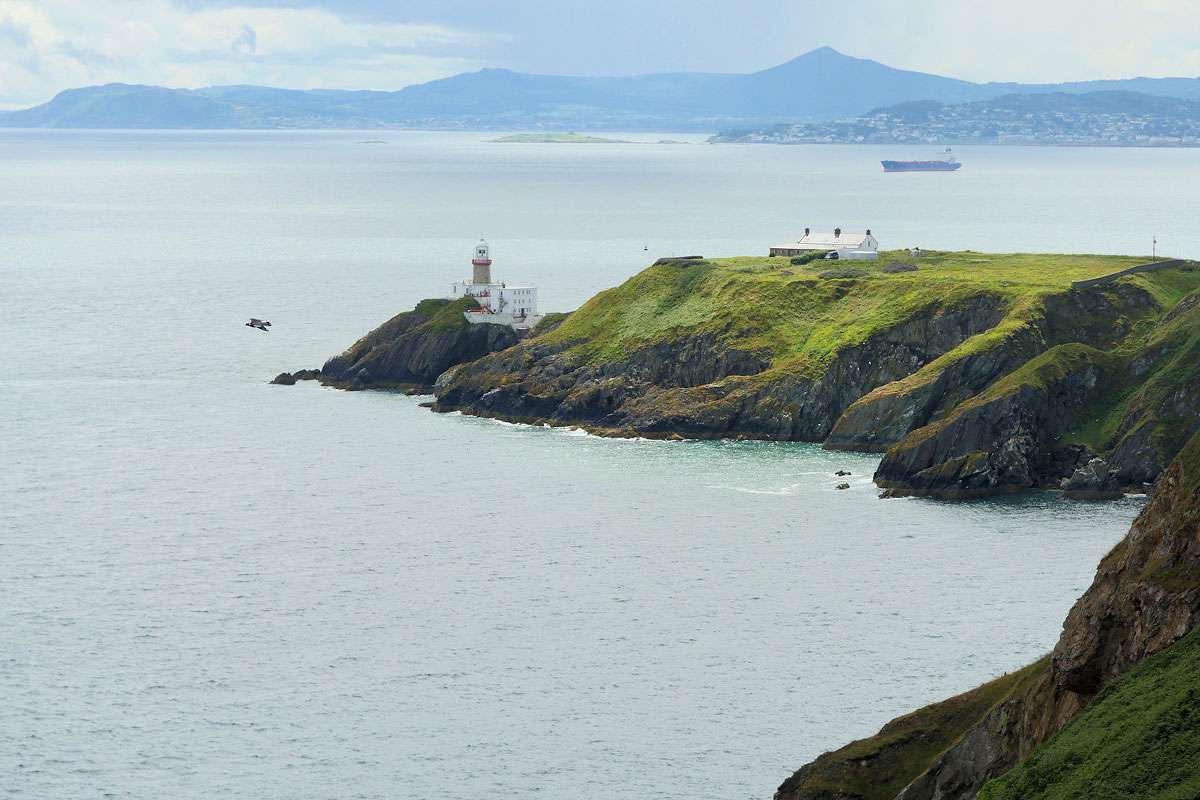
(499,303)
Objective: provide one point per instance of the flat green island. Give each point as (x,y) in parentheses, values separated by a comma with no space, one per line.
(557,138)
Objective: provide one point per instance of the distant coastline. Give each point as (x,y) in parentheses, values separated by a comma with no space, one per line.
(1091,119)
(798,92)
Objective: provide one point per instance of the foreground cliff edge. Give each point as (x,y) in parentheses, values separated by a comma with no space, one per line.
(1114,711)
(973,373)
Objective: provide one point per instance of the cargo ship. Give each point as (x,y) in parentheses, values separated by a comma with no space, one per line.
(947,163)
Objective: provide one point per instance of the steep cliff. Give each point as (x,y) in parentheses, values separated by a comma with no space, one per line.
(978,373)
(1145,597)
(411,349)
(1138,740)
(1130,402)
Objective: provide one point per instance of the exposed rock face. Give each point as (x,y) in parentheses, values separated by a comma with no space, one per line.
(1095,480)
(971,383)
(883,417)
(1145,597)
(701,388)
(977,393)
(1002,440)
(412,349)
(1146,594)
(1014,434)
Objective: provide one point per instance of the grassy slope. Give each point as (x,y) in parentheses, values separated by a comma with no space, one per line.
(1139,739)
(878,767)
(801,321)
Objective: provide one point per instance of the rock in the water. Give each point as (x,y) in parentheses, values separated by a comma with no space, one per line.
(842,472)
(843,486)
(284,379)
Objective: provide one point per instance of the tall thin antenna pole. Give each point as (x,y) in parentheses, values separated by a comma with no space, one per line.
(1154,246)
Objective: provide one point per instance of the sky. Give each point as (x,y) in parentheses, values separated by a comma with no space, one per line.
(50,45)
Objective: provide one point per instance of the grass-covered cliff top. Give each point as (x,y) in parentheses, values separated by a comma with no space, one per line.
(800,316)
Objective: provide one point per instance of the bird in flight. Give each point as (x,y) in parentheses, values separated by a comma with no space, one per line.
(258,323)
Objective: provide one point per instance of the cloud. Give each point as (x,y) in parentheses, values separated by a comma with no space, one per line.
(49,45)
(246,42)
(1029,40)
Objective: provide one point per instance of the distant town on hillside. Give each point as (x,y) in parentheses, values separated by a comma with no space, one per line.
(1116,118)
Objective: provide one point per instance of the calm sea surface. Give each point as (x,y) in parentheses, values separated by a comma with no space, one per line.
(212,587)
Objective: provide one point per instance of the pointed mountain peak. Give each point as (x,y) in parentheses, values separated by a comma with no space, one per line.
(825,53)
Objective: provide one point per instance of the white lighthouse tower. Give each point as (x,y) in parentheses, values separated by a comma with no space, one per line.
(481,264)
(499,303)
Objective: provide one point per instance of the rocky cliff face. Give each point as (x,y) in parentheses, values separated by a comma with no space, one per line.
(1006,438)
(975,374)
(883,417)
(1041,422)
(972,384)
(701,387)
(411,349)
(1145,597)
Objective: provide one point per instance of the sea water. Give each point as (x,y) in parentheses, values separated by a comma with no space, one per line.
(214,587)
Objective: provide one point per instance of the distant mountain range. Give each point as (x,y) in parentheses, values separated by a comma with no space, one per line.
(820,85)
(1114,118)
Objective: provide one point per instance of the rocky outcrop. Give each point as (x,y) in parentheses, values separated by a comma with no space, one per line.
(974,391)
(1005,439)
(700,387)
(1095,317)
(1145,597)
(883,417)
(971,383)
(1146,593)
(410,350)
(1016,433)
(1095,480)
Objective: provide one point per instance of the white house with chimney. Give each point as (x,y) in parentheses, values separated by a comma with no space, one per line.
(500,303)
(851,246)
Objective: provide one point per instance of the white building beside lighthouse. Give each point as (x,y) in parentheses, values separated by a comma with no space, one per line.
(500,303)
